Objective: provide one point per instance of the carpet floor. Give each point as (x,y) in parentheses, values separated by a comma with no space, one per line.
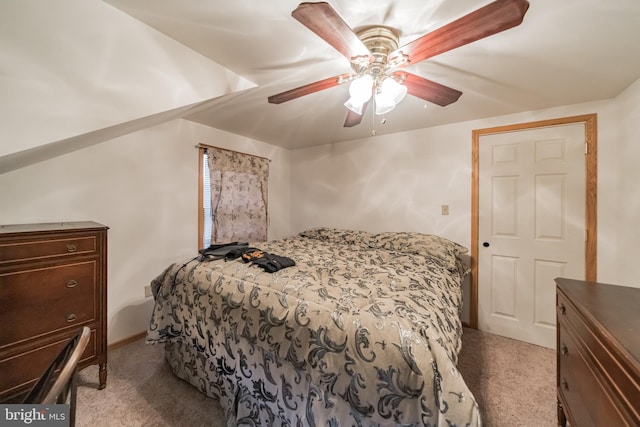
(513,382)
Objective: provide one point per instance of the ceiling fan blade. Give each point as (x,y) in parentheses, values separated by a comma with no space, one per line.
(323,20)
(428,90)
(486,21)
(354,119)
(309,88)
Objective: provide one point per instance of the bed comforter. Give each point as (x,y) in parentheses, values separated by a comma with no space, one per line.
(364,330)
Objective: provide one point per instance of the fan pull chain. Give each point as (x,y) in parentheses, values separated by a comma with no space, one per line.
(373,113)
(373,117)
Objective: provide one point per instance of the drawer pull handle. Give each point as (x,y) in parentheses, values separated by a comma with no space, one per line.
(72,283)
(563,309)
(71,318)
(71,247)
(564,349)
(565,384)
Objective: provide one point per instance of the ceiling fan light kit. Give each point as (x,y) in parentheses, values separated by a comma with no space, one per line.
(372,77)
(359,92)
(388,95)
(376,60)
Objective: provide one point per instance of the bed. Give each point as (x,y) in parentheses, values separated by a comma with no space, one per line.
(364,330)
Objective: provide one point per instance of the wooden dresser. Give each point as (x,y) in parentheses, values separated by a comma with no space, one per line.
(598,354)
(53,281)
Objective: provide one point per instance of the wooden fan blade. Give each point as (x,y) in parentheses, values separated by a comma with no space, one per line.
(308,88)
(354,119)
(429,91)
(323,20)
(486,21)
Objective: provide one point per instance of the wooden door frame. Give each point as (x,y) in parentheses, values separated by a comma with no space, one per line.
(591,192)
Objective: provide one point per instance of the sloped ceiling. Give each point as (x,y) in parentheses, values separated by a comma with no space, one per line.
(564,52)
(77,73)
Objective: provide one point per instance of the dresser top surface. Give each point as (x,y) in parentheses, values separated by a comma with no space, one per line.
(615,308)
(50,226)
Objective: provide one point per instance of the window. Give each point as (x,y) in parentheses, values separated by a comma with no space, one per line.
(233,197)
(205,234)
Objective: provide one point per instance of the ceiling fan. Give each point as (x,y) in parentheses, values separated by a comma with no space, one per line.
(377,62)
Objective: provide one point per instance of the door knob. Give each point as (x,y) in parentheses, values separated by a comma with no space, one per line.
(485,244)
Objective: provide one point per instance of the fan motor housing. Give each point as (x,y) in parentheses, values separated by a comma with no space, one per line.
(380,41)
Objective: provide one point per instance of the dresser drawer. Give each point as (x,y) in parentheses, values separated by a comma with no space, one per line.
(38,301)
(37,249)
(578,384)
(610,367)
(21,371)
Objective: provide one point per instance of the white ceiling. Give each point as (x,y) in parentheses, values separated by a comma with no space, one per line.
(564,52)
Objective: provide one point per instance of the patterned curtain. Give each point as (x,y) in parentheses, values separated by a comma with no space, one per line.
(238,196)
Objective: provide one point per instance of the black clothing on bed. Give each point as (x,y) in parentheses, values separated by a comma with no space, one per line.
(272,263)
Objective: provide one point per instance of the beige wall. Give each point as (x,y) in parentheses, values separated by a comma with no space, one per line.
(627,203)
(77,73)
(400,181)
(144,187)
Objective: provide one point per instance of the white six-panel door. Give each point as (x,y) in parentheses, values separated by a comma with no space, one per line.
(531,227)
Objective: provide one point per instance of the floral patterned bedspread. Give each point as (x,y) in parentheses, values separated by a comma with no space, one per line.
(364,330)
